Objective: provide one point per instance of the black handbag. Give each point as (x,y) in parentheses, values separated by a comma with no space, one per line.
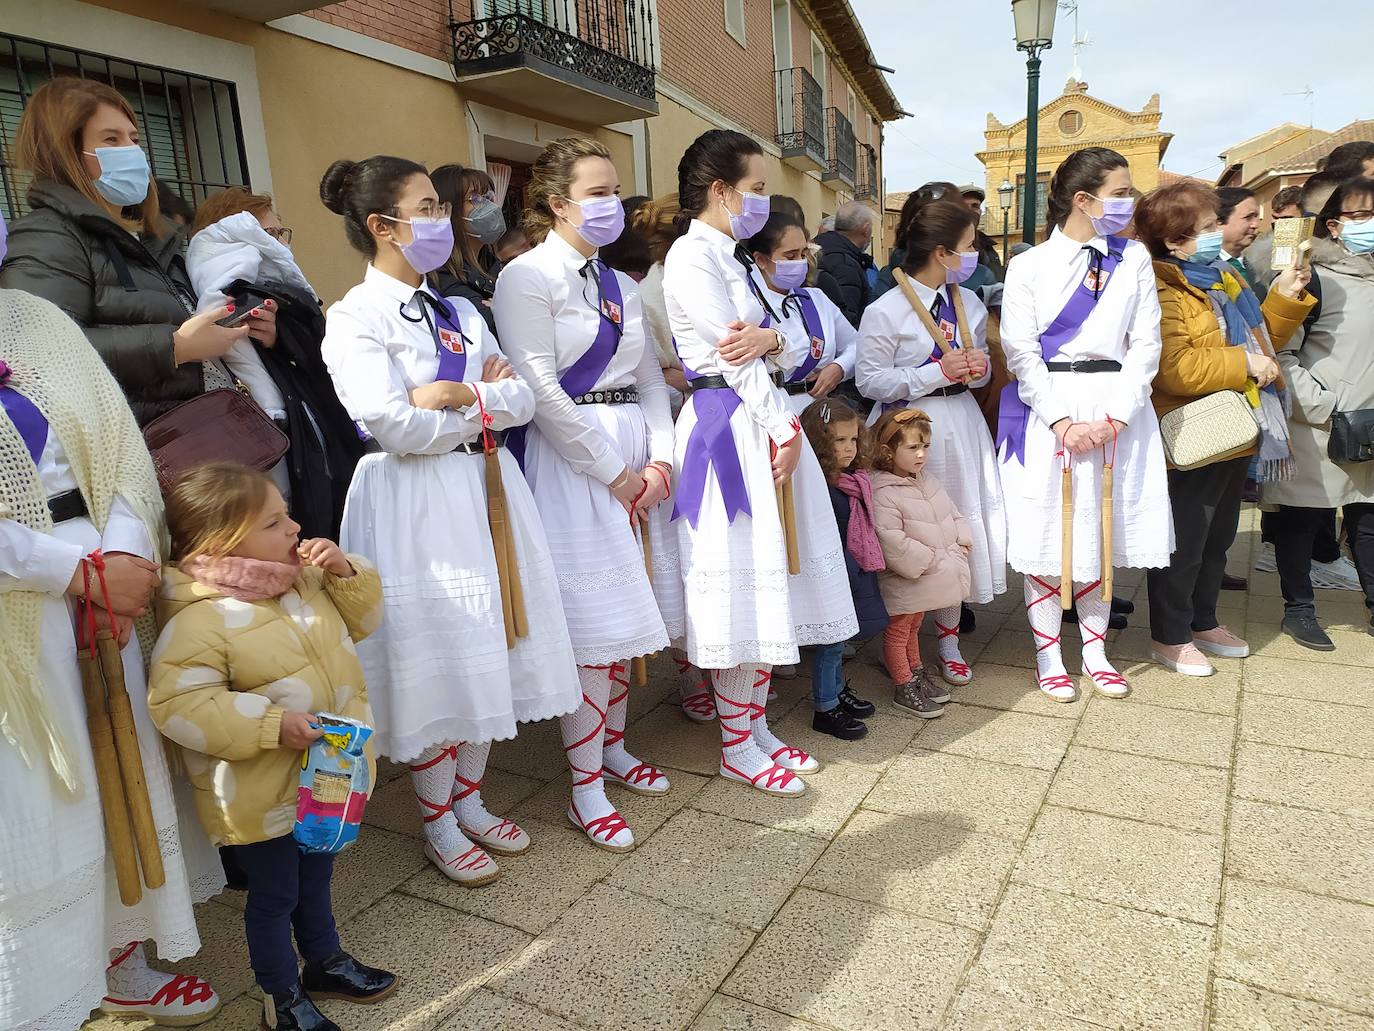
(1352,437)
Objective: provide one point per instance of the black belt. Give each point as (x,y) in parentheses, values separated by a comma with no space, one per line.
(1085,365)
(476,447)
(67,505)
(708,383)
(799,387)
(950,391)
(619,396)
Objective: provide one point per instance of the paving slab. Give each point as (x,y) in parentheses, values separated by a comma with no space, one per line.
(975,1012)
(1014,738)
(1013,688)
(1190,737)
(962,792)
(1312,780)
(1324,853)
(723,1013)
(1239,1007)
(486,1011)
(1317,726)
(644,813)
(1300,678)
(1140,788)
(1152,684)
(832,795)
(536,752)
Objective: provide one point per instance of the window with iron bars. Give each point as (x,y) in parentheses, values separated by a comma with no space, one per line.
(189,124)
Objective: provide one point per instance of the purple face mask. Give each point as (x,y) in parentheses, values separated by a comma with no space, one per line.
(968,265)
(1116,215)
(789,275)
(431,243)
(753,213)
(603,220)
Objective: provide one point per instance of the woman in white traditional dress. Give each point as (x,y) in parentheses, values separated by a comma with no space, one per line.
(738,441)
(427,385)
(901,364)
(1080,328)
(77,478)
(598,458)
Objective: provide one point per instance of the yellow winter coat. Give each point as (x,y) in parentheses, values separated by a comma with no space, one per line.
(224,671)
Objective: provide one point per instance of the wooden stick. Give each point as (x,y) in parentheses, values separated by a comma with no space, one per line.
(787,512)
(1066,538)
(1106,533)
(922,313)
(130,760)
(118,835)
(639,668)
(496,520)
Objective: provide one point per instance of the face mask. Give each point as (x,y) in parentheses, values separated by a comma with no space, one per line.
(753,213)
(968,265)
(1208,248)
(789,275)
(603,220)
(124,174)
(1358,237)
(431,243)
(487,221)
(1116,215)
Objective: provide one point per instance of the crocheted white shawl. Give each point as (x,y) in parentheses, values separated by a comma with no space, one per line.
(56,368)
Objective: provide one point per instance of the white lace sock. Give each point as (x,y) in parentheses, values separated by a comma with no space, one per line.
(133,987)
(947,630)
(769,743)
(615,760)
(432,776)
(1093,616)
(1046,617)
(694,686)
(734,689)
(584,737)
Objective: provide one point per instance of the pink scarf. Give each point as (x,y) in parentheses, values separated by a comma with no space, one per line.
(862,538)
(247,579)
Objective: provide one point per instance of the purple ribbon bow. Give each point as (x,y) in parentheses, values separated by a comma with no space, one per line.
(711,444)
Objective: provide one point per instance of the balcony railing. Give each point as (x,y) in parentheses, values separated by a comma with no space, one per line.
(603,50)
(839,139)
(866,174)
(801,119)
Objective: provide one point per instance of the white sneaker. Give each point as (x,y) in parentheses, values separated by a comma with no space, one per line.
(1265,563)
(136,990)
(1339,575)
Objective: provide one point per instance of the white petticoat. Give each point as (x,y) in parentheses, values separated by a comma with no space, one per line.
(742,606)
(1142,521)
(60,912)
(612,610)
(961,457)
(438,670)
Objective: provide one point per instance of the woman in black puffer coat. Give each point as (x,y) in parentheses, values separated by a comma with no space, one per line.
(95,245)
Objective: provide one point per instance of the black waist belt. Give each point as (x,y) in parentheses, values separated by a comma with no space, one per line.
(67,505)
(475,447)
(950,391)
(1085,365)
(708,383)
(800,387)
(619,396)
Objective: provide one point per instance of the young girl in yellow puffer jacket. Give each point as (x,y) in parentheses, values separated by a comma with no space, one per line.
(259,635)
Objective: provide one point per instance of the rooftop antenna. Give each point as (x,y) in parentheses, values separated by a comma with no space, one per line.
(1307,92)
(1080,40)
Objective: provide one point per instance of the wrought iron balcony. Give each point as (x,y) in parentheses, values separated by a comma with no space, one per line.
(801,119)
(839,138)
(590,62)
(866,174)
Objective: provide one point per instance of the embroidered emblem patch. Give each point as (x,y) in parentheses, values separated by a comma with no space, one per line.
(450,340)
(817,348)
(611,310)
(947,328)
(1096,279)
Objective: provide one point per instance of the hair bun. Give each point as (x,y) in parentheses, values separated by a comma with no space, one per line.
(333,184)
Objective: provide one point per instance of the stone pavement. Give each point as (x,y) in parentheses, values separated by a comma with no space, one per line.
(1199,856)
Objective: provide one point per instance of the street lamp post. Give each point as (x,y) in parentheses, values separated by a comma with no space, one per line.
(1004,195)
(1034,34)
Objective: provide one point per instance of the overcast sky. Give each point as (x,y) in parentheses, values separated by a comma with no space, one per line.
(956,61)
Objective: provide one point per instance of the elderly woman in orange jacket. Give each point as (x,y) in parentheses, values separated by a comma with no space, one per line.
(1216,336)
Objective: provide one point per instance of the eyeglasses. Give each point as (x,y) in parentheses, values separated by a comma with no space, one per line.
(1363,215)
(428,209)
(280,233)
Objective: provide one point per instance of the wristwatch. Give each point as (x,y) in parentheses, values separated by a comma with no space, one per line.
(781,344)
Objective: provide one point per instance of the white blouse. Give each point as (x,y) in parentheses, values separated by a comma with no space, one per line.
(841,339)
(548,314)
(705,289)
(1124,325)
(35,561)
(376,355)
(895,347)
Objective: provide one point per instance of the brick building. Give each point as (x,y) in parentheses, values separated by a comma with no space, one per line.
(266,93)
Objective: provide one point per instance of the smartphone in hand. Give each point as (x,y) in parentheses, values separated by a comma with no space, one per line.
(244,304)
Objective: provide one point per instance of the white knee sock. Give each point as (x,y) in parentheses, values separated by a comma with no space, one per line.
(768,742)
(467,786)
(584,735)
(432,777)
(947,630)
(1045,616)
(734,689)
(1093,614)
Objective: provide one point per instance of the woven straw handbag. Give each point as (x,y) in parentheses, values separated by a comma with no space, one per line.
(1210,429)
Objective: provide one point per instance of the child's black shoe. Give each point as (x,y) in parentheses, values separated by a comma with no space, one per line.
(293,1011)
(854,705)
(837,722)
(343,977)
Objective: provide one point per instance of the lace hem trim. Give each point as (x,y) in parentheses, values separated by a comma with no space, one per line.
(1086,574)
(621,650)
(598,581)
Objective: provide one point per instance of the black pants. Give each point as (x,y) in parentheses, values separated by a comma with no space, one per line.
(1295,529)
(287,889)
(1325,547)
(1206,504)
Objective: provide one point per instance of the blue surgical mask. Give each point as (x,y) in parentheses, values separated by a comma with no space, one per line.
(1358,237)
(1208,248)
(124,174)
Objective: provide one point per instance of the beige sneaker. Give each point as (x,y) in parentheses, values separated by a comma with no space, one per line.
(1221,642)
(1181,658)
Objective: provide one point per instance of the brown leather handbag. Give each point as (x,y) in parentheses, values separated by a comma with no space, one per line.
(217,426)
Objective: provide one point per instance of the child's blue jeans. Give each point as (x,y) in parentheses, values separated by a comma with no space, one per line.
(827,675)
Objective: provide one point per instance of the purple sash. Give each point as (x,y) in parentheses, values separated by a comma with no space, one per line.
(451,345)
(815,333)
(582,375)
(944,312)
(1013,413)
(27,419)
(711,443)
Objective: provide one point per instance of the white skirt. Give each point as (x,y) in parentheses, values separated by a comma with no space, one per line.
(60,912)
(1142,521)
(962,458)
(613,611)
(438,670)
(742,606)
